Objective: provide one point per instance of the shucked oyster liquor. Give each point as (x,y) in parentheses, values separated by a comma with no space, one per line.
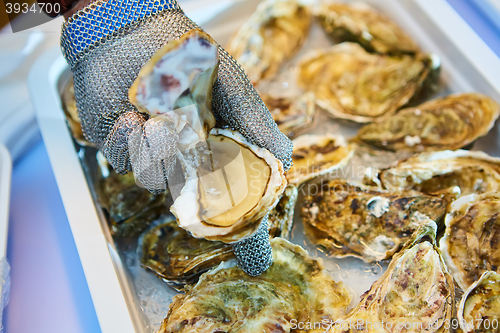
(315,155)
(295,289)
(131,208)
(292,115)
(479,309)
(348,219)
(449,122)
(273,33)
(178,258)
(471,244)
(227,184)
(415,294)
(471,171)
(364,25)
(353,84)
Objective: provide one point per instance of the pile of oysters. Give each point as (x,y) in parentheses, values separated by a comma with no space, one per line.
(430,210)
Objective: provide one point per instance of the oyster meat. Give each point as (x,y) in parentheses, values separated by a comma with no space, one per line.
(281,217)
(295,289)
(364,25)
(292,115)
(349,219)
(449,122)
(471,171)
(415,294)
(131,208)
(273,33)
(227,184)
(350,83)
(315,155)
(479,309)
(71,113)
(471,242)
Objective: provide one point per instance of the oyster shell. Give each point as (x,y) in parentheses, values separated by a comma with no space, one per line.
(315,155)
(415,294)
(471,171)
(479,309)
(296,288)
(348,219)
(236,184)
(223,184)
(273,33)
(366,26)
(131,208)
(449,122)
(281,217)
(292,115)
(71,113)
(471,242)
(350,83)
(177,257)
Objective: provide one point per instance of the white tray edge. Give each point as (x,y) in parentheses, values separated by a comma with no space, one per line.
(5,181)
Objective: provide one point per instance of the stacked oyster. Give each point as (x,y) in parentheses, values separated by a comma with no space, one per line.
(424,210)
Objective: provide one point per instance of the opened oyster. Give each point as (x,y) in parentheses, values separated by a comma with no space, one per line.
(178,258)
(227,184)
(364,25)
(315,155)
(295,289)
(353,84)
(471,171)
(365,222)
(415,294)
(273,33)
(71,113)
(450,122)
(291,115)
(131,208)
(281,217)
(479,309)
(471,242)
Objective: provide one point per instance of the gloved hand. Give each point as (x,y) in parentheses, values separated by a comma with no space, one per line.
(107,43)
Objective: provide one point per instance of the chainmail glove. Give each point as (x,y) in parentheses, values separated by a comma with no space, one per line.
(108,42)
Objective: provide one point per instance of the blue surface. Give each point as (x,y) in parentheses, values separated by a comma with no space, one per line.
(49,292)
(483,18)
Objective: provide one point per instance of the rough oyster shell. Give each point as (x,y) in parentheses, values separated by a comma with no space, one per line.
(471,242)
(179,259)
(449,122)
(295,288)
(366,26)
(131,208)
(471,171)
(292,115)
(71,113)
(350,83)
(233,169)
(416,290)
(348,219)
(281,217)
(315,155)
(273,33)
(479,309)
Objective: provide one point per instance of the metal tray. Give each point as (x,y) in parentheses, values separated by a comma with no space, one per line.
(118,292)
